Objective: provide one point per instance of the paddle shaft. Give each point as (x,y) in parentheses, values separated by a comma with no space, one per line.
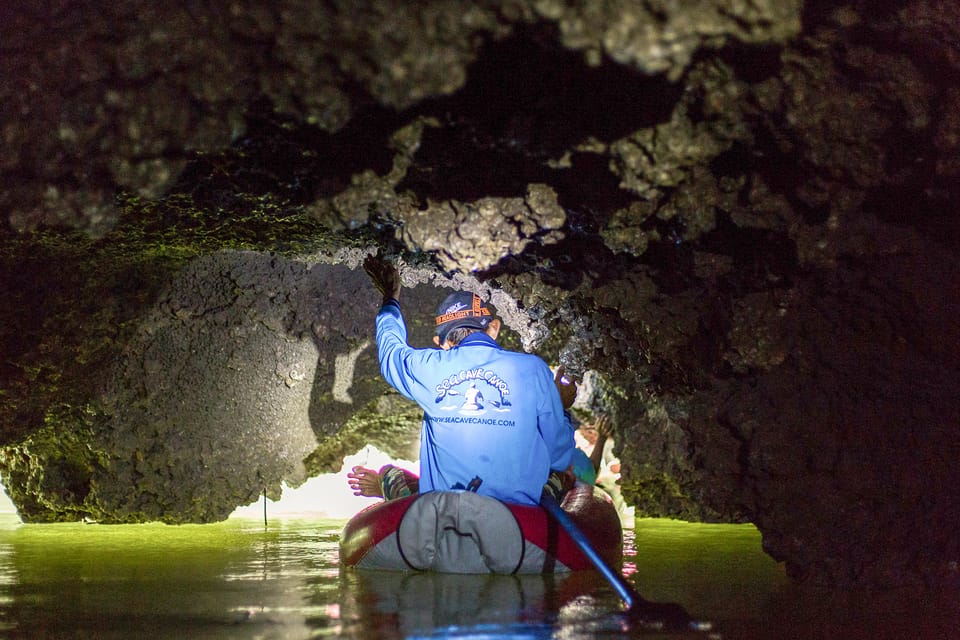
(666,613)
(627,593)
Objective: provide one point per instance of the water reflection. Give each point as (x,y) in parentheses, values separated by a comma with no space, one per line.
(410,605)
(242,581)
(156,581)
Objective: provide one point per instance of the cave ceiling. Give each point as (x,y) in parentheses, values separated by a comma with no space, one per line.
(735,222)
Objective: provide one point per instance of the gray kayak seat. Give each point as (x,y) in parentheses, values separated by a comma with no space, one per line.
(462,532)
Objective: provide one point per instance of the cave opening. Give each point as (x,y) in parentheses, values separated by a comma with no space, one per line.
(325,495)
(6,504)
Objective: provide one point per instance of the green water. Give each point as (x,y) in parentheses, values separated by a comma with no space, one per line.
(240,580)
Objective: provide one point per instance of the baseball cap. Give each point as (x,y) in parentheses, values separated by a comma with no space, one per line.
(462,309)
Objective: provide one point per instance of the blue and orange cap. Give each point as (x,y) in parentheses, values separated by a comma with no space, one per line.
(462,309)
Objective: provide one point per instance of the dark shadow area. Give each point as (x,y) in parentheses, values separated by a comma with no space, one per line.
(930,209)
(763,259)
(527,101)
(671,264)
(64,311)
(783,173)
(751,63)
(293,161)
(818,12)
(915,196)
(589,192)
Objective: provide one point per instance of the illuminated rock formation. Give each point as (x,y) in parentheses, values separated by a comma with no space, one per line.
(739,218)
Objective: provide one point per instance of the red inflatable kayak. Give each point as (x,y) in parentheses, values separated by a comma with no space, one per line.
(462,532)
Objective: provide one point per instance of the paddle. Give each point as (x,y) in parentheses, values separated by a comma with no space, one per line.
(663,613)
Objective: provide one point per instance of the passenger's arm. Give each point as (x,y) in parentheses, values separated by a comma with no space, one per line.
(602,426)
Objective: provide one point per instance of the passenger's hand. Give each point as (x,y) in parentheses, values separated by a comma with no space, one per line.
(566,386)
(602,425)
(384,276)
(365,482)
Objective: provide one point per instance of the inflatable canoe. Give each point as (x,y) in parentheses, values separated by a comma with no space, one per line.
(462,532)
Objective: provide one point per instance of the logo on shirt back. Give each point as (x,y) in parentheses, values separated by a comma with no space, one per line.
(474,392)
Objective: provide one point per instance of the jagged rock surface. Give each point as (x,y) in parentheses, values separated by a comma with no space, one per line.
(738,218)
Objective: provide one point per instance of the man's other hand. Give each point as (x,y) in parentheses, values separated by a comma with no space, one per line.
(566,386)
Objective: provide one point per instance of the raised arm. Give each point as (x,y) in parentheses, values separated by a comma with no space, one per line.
(602,425)
(384,276)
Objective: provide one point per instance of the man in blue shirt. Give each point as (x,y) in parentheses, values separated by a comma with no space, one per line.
(493,420)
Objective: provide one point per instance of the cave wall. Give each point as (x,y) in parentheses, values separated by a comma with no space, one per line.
(249,372)
(739,216)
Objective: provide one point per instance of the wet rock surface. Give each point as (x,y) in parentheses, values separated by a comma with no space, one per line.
(738,220)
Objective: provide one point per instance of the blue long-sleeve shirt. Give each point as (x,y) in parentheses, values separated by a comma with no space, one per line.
(488,412)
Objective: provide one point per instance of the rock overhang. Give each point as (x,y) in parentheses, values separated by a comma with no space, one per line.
(746,236)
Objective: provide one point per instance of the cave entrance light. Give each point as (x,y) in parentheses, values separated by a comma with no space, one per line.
(6,504)
(324,496)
